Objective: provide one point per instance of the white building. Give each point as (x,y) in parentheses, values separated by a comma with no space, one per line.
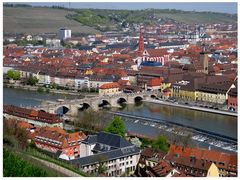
(64,33)
(113,151)
(56,43)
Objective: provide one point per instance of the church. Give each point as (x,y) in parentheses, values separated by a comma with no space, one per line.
(151,57)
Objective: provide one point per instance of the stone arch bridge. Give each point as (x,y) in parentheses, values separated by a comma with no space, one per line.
(72,106)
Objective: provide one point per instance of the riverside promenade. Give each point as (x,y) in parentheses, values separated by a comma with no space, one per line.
(194,107)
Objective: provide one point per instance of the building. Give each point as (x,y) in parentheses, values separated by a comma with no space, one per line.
(232,102)
(56,140)
(204,61)
(184,90)
(193,167)
(31,116)
(164,169)
(213,93)
(157,55)
(109,89)
(154,84)
(64,33)
(110,150)
(53,43)
(140,44)
(203,158)
(151,63)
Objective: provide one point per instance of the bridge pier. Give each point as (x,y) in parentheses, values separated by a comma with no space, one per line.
(130,100)
(73,110)
(51,110)
(94,106)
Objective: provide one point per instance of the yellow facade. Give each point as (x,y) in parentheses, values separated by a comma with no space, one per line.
(109,91)
(211,97)
(185,95)
(213,171)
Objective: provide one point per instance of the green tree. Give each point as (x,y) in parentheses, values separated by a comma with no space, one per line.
(161,143)
(15,75)
(102,168)
(40,90)
(15,166)
(117,126)
(32,80)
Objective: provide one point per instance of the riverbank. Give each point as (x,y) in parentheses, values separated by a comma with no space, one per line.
(193,107)
(55,91)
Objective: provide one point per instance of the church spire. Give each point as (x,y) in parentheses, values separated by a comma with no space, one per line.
(140,43)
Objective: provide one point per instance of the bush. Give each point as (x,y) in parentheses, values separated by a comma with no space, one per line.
(40,90)
(32,80)
(15,166)
(161,143)
(47,90)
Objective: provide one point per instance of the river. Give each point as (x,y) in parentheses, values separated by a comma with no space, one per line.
(220,124)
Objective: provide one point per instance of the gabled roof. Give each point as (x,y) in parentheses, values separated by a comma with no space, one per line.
(106,156)
(112,140)
(110,85)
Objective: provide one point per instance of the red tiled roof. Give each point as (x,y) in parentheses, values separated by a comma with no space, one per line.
(110,85)
(155,82)
(31,114)
(65,139)
(210,155)
(157,52)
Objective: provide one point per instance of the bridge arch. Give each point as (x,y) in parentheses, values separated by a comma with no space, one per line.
(153,96)
(42,110)
(61,110)
(84,106)
(104,102)
(138,99)
(121,100)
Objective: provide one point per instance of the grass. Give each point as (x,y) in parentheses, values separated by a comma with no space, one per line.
(36,153)
(90,21)
(40,20)
(24,166)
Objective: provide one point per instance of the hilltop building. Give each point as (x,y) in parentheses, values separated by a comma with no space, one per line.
(64,33)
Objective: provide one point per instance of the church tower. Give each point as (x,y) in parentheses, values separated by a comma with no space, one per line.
(204,59)
(140,43)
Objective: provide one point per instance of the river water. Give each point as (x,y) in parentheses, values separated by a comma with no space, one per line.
(221,124)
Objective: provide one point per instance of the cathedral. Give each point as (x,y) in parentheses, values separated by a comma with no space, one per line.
(148,56)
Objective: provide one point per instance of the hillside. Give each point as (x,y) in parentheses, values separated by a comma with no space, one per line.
(39,20)
(113,18)
(42,19)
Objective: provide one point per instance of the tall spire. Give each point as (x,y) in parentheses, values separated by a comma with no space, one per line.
(140,43)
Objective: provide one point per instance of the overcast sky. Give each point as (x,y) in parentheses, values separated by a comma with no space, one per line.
(230,7)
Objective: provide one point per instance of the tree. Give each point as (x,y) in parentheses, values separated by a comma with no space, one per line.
(117,126)
(91,120)
(15,75)
(161,143)
(102,168)
(32,80)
